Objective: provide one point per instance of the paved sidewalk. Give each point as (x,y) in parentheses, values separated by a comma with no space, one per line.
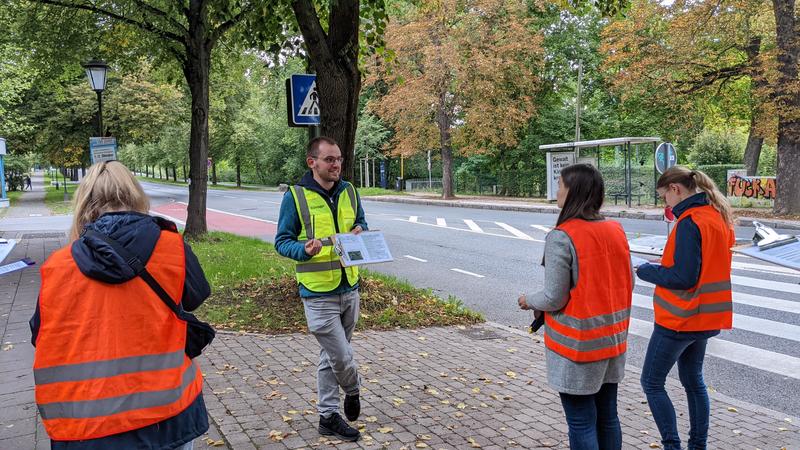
(31,204)
(453,388)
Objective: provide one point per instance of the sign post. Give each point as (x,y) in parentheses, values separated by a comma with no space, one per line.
(665,157)
(302,100)
(4,203)
(556,161)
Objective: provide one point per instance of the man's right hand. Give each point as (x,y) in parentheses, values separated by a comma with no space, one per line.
(313,247)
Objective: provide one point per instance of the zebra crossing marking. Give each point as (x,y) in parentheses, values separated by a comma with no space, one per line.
(514,231)
(473,226)
(742,322)
(769,361)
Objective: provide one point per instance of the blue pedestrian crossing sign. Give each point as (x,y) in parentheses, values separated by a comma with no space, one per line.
(302,100)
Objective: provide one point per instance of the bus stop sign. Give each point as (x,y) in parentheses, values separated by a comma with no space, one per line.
(666,157)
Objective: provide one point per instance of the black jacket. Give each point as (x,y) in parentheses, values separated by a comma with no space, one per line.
(138,233)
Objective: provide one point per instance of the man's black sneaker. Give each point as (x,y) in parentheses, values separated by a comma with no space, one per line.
(336,426)
(352,407)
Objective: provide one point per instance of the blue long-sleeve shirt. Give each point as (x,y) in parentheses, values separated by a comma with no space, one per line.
(685,273)
(289,226)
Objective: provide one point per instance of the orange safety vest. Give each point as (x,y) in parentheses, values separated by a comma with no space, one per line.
(110,357)
(709,304)
(593,326)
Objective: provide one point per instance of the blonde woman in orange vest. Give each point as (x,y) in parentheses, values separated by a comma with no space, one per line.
(110,366)
(692,299)
(586,304)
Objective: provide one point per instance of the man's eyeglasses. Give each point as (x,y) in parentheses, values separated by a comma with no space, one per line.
(331,159)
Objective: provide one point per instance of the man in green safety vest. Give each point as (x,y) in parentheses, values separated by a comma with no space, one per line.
(319,206)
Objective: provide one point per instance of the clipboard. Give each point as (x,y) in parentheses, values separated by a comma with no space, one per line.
(367,247)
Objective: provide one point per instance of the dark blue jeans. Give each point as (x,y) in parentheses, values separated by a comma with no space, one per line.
(688,349)
(592,419)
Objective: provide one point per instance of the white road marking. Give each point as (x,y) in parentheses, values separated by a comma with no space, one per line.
(415,258)
(784,365)
(468,273)
(230,196)
(156,213)
(743,322)
(752,300)
(473,226)
(413,219)
(541,228)
(468,231)
(763,268)
(238,215)
(441,222)
(749,282)
(514,231)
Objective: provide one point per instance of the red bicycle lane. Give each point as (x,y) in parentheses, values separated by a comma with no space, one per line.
(220,220)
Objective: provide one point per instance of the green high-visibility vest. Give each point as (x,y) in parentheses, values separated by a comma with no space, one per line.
(323,272)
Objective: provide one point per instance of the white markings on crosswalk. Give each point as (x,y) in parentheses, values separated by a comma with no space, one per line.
(441,222)
(514,231)
(542,228)
(766,284)
(760,301)
(763,268)
(742,322)
(473,226)
(413,219)
(784,365)
(467,273)
(415,258)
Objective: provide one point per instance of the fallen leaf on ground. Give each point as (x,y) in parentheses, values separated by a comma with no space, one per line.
(473,443)
(385,430)
(476,390)
(371,419)
(732,409)
(511,350)
(398,401)
(655,445)
(421,445)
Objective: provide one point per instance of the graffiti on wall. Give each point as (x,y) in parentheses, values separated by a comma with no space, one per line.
(756,188)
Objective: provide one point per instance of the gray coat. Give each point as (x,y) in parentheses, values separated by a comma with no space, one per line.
(561,275)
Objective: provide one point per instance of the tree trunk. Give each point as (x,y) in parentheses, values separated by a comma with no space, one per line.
(214,173)
(159,173)
(238,172)
(752,152)
(334,57)
(758,88)
(184,172)
(174,174)
(788,101)
(443,121)
(196,70)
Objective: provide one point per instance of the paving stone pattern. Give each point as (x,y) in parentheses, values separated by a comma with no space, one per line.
(438,388)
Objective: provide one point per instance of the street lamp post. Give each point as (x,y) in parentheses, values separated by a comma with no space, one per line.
(96,72)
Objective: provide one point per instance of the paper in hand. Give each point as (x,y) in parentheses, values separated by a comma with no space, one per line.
(636,261)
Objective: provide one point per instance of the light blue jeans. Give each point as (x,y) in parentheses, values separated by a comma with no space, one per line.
(332,319)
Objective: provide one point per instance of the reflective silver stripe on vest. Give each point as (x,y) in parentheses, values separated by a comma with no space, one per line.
(351,192)
(590,345)
(718,307)
(707,288)
(108,368)
(591,322)
(305,212)
(104,407)
(326,242)
(318,266)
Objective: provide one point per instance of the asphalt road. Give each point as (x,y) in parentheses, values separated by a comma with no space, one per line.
(487,258)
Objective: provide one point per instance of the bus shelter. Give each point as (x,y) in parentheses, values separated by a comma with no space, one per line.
(626,163)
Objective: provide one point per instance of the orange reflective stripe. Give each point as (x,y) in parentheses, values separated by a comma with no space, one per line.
(587,345)
(707,288)
(702,308)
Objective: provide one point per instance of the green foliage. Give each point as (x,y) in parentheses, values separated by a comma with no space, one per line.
(712,147)
(15,168)
(719,172)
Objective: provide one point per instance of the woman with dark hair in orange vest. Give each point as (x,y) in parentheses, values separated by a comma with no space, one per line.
(586,305)
(692,299)
(110,367)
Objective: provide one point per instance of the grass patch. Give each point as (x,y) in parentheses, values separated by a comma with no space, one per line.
(254,289)
(54,199)
(373,191)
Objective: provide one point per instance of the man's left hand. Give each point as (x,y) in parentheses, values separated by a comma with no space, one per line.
(522,303)
(357,229)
